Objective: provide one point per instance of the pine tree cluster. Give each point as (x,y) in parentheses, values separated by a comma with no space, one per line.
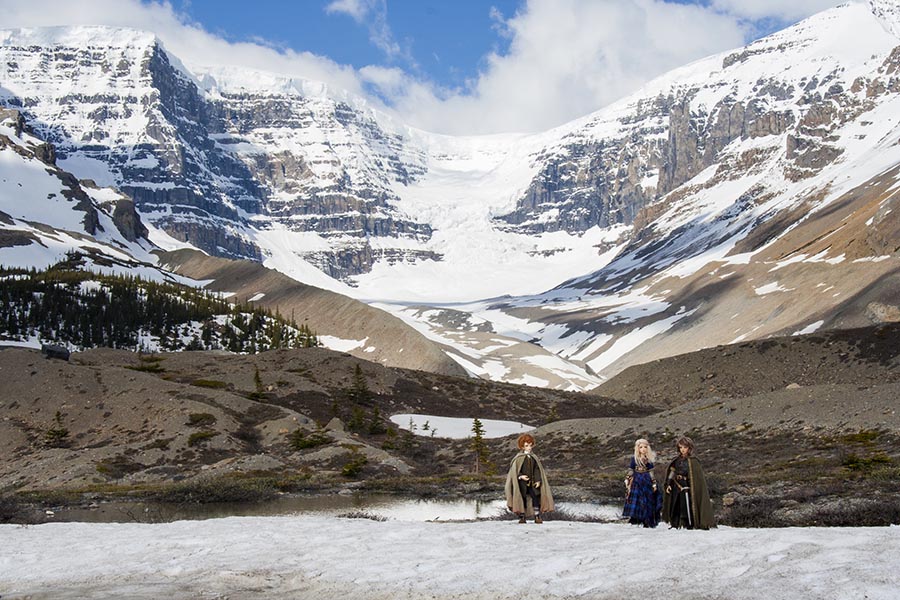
(80,309)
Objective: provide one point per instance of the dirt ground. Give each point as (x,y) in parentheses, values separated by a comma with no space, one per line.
(791,430)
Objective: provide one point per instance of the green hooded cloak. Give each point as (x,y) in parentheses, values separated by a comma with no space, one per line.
(701,507)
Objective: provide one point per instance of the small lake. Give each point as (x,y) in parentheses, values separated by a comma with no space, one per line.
(380,506)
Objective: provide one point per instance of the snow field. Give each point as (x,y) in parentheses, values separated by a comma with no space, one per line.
(327,557)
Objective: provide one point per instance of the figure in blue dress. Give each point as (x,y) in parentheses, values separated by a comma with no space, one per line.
(643,502)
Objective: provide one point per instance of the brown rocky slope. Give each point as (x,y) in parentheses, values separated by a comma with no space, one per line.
(388,340)
(153,419)
(798,430)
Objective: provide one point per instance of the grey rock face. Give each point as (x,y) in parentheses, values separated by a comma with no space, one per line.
(185,169)
(127,221)
(696,139)
(596,184)
(343,202)
(663,144)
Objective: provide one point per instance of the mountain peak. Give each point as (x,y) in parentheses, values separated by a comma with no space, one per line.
(78,35)
(888,14)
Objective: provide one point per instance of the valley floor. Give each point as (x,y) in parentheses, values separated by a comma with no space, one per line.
(329,557)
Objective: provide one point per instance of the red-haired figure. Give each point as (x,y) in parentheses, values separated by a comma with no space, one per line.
(686,500)
(527,491)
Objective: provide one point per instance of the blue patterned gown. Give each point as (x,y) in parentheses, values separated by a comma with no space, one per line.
(643,504)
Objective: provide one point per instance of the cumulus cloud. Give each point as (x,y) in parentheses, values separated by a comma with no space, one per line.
(565,58)
(773,9)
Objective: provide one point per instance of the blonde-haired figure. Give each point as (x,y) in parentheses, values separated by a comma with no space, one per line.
(643,501)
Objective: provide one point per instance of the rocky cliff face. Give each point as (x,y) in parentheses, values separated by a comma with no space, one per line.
(208,167)
(595,182)
(324,168)
(659,143)
(115,108)
(608,169)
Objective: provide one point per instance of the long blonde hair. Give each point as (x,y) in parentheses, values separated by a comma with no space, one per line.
(651,455)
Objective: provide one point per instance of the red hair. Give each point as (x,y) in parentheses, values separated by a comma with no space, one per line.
(525,438)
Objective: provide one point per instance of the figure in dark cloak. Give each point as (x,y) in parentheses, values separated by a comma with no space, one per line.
(686,500)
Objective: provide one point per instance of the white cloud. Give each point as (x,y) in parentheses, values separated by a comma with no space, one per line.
(566,58)
(390,82)
(373,14)
(773,9)
(357,9)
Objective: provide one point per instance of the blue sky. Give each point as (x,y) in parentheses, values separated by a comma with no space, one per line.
(442,40)
(449,66)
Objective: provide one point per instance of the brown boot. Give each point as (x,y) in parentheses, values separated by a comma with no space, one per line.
(521,518)
(538,520)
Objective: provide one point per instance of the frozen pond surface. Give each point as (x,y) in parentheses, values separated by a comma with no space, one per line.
(457,428)
(384,506)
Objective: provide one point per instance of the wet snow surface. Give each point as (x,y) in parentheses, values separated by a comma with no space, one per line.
(330,557)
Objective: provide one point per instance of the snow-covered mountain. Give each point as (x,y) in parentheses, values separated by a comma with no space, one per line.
(46,214)
(45,211)
(256,165)
(744,195)
(774,210)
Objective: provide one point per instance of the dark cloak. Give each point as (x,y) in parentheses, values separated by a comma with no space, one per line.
(701,507)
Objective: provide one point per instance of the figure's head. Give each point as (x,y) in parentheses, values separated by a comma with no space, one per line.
(685,446)
(525,438)
(643,453)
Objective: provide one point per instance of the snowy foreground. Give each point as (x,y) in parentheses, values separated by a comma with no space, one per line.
(330,557)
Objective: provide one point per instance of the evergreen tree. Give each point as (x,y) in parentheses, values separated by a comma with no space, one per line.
(357,420)
(57,436)
(359,390)
(553,415)
(257,381)
(478,445)
(376,427)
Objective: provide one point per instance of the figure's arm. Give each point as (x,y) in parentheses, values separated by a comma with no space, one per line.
(519,474)
(629,475)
